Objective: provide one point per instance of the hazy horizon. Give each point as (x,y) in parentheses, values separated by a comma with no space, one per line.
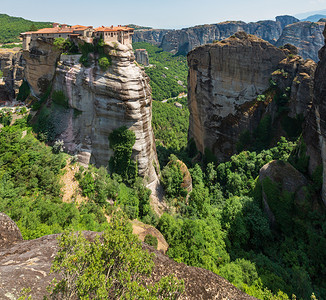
(168,14)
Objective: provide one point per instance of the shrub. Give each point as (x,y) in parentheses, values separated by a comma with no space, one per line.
(58,146)
(151,240)
(60,43)
(112,267)
(24,91)
(5,117)
(104,63)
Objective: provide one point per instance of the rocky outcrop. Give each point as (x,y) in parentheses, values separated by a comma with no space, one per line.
(296,74)
(9,232)
(11,65)
(99,102)
(153,36)
(27,265)
(142,230)
(287,178)
(286,20)
(315,128)
(40,65)
(141,56)
(224,80)
(306,36)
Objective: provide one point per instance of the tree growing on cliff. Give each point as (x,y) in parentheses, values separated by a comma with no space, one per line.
(121,142)
(114,266)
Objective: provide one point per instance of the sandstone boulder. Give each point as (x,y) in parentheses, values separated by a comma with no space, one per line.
(287,178)
(9,232)
(141,230)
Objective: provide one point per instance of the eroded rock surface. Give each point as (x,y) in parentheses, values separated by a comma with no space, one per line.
(9,232)
(297,74)
(40,65)
(186,39)
(153,36)
(306,36)
(224,80)
(315,128)
(101,101)
(141,56)
(27,265)
(11,65)
(287,178)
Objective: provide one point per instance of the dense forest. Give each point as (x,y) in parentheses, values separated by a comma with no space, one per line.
(168,73)
(11,27)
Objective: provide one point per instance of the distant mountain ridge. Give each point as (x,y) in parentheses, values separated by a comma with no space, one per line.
(306,36)
(310,13)
(314,18)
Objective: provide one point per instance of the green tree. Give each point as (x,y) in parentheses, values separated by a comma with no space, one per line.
(121,142)
(104,63)
(60,43)
(33,28)
(111,267)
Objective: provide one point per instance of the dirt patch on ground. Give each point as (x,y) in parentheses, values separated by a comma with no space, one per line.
(157,198)
(70,186)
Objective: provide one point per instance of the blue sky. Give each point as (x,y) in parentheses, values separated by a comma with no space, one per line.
(157,14)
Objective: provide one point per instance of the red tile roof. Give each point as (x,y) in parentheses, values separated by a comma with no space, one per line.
(73,28)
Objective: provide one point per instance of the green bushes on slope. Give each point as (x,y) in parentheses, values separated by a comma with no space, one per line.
(165,72)
(11,27)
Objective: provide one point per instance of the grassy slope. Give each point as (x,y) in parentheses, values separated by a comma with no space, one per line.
(11,27)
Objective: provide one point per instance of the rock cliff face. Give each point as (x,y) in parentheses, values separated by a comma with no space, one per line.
(11,65)
(226,77)
(306,36)
(153,36)
(224,80)
(315,128)
(297,74)
(40,65)
(27,264)
(141,56)
(99,102)
(184,40)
